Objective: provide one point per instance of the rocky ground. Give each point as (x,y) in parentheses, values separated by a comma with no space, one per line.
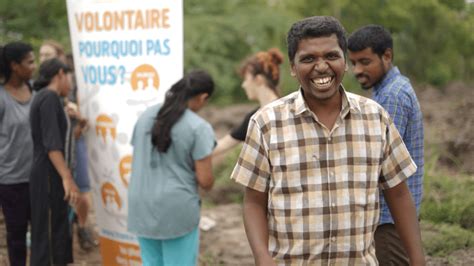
(449,124)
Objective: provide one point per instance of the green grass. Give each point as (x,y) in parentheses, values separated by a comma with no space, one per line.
(440,239)
(447,210)
(448,198)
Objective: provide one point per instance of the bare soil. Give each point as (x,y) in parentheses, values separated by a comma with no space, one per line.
(449,125)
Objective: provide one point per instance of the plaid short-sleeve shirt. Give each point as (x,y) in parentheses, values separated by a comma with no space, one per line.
(323,186)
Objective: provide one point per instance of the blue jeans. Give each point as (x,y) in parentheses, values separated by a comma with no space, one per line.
(81,176)
(181,251)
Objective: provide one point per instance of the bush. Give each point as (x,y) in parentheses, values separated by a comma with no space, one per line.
(467,217)
(446,198)
(442,239)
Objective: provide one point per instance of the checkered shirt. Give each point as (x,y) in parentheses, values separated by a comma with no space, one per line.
(396,95)
(322,185)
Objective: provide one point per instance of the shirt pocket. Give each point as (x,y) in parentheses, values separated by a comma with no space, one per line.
(285,170)
(363,191)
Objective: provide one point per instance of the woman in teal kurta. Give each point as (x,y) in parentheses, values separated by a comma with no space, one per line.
(171,158)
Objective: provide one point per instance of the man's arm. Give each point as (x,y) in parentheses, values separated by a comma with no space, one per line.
(256,225)
(404,214)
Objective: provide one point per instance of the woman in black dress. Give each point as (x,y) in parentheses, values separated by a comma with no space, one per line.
(51,182)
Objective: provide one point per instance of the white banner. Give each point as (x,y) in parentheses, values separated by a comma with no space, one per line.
(127,54)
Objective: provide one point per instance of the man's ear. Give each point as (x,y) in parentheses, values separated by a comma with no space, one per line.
(61,72)
(203,97)
(14,65)
(260,79)
(292,70)
(387,56)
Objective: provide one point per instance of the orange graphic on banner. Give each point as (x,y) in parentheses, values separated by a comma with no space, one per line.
(145,77)
(125,167)
(110,197)
(105,125)
(119,253)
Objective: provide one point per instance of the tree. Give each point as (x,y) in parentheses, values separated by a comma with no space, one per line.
(433,38)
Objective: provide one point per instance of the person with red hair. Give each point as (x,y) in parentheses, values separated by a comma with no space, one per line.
(261,77)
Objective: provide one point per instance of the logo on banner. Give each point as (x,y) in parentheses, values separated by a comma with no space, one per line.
(119,253)
(111,198)
(145,77)
(105,126)
(125,168)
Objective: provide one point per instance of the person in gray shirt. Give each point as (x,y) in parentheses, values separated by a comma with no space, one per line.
(17,64)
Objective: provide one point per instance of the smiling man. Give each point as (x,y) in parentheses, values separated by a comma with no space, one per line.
(371,55)
(313,163)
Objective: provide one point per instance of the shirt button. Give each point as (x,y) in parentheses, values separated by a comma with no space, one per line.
(333,239)
(332,174)
(329,139)
(333,205)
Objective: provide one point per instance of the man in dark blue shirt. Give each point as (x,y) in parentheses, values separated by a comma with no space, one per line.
(371,54)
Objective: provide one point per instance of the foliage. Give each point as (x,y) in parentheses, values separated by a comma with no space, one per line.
(440,239)
(433,38)
(447,199)
(34,21)
(233,30)
(447,210)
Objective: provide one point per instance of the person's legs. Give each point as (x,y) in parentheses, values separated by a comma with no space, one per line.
(182,250)
(81,176)
(389,249)
(85,235)
(15,202)
(82,209)
(61,229)
(40,221)
(151,251)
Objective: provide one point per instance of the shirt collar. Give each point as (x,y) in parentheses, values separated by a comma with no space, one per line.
(393,72)
(300,103)
(347,105)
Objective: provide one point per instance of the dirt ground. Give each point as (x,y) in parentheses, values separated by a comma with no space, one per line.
(449,124)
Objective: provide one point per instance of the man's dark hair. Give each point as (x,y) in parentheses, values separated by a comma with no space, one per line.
(370,36)
(313,27)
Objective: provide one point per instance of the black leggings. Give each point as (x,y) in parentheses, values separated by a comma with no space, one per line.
(15,203)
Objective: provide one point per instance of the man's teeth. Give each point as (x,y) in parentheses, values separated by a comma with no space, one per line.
(322,81)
